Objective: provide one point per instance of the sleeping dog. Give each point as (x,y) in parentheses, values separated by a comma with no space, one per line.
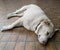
(33,18)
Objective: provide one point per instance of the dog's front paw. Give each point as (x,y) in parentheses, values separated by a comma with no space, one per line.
(4,28)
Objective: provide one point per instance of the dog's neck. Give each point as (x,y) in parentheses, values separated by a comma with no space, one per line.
(37,26)
(42,23)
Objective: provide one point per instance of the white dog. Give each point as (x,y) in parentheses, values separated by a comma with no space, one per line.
(34,19)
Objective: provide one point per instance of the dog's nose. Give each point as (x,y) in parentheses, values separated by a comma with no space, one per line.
(43,43)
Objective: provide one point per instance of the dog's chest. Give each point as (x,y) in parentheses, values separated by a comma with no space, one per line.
(28,23)
(31,24)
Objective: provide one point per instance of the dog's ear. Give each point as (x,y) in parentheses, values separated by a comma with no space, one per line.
(56,30)
(46,22)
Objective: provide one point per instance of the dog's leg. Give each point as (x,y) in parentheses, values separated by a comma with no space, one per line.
(19,12)
(21,9)
(20,20)
(14,15)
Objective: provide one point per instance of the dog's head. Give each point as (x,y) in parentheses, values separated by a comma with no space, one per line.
(45,31)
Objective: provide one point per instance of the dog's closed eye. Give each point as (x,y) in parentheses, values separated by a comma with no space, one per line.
(39,35)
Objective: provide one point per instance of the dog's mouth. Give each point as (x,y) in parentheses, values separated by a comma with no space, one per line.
(43,43)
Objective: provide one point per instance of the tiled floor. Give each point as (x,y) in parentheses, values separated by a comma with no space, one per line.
(22,39)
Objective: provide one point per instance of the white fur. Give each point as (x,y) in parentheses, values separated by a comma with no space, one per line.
(31,17)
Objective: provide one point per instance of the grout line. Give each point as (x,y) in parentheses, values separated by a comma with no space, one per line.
(25,42)
(15,34)
(22,41)
(6,43)
(1,37)
(55,45)
(34,42)
(55,42)
(16,42)
(8,34)
(45,48)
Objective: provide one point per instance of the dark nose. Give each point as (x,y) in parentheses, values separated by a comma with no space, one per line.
(43,43)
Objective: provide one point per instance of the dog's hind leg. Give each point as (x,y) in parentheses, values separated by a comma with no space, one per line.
(21,9)
(19,21)
(18,12)
(14,15)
